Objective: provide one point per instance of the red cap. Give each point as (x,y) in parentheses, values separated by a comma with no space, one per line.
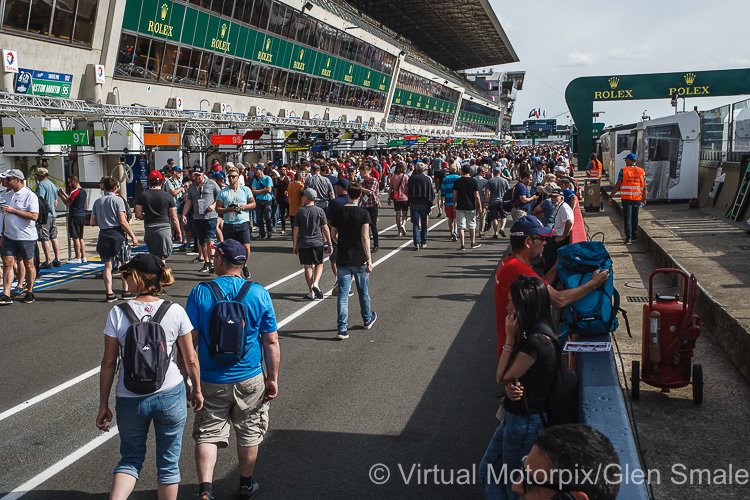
(155,174)
(217,168)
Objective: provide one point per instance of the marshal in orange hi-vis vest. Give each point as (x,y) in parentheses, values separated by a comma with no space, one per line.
(596,169)
(633,183)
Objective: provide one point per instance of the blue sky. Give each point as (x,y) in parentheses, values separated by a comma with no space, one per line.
(559,41)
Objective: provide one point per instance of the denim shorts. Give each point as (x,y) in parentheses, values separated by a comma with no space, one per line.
(204,230)
(168,411)
(26,249)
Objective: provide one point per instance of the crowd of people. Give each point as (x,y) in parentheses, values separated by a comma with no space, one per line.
(332,206)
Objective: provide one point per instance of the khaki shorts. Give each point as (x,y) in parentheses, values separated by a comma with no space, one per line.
(238,403)
(517,213)
(466,219)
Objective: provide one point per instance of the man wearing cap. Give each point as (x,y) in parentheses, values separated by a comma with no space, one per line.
(322,187)
(334,206)
(352,233)
(201,199)
(158,211)
(236,393)
(48,232)
(562,226)
(497,186)
(177,189)
(261,188)
(309,233)
(234,204)
(20,210)
(631,183)
(527,239)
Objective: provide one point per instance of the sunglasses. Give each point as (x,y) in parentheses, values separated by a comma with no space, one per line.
(536,237)
(233,176)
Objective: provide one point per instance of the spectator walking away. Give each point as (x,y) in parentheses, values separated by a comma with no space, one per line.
(352,232)
(175,187)
(370,201)
(335,206)
(75,199)
(200,200)
(234,204)
(20,211)
(48,231)
(528,365)
(467,203)
(138,405)
(397,193)
(235,390)
(497,186)
(261,188)
(421,196)
(632,186)
(321,185)
(310,235)
(108,213)
(446,191)
(559,464)
(282,196)
(158,211)
(295,194)
(482,206)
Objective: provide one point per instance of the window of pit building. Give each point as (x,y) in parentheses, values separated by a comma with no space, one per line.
(623,143)
(64,20)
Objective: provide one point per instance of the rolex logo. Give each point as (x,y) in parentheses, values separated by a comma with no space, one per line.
(301,53)
(268,44)
(613,82)
(690,78)
(368,76)
(164,11)
(328,64)
(223,30)
(350,69)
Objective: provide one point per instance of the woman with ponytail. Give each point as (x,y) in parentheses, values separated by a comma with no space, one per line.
(166,405)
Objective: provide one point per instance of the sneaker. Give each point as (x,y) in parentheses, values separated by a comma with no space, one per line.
(57,263)
(423,245)
(198,260)
(205,496)
(494,236)
(502,233)
(248,492)
(268,236)
(110,297)
(16,291)
(5,300)
(127,296)
(246,272)
(211,268)
(416,247)
(317,291)
(342,335)
(375,248)
(283,231)
(476,245)
(74,261)
(372,321)
(351,292)
(454,237)
(462,248)
(46,265)
(29,298)
(310,296)
(634,240)
(83,260)
(206,268)
(627,241)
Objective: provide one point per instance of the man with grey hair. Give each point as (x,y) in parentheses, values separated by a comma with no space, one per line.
(321,185)
(421,196)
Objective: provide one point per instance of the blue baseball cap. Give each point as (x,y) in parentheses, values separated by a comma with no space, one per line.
(176,168)
(529,225)
(232,251)
(344,183)
(631,156)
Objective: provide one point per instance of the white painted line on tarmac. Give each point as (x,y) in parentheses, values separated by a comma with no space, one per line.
(49,393)
(94,371)
(61,465)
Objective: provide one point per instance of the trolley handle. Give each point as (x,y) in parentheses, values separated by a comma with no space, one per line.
(685,280)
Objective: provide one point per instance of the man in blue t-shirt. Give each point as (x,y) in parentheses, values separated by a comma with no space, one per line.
(446,190)
(521,197)
(234,203)
(261,186)
(237,393)
(48,232)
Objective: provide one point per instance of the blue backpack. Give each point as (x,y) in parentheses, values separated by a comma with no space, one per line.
(596,313)
(227,331)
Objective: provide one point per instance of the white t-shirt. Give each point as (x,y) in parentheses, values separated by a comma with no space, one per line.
(563,214)
(5,195)
(18,228)
(175,323)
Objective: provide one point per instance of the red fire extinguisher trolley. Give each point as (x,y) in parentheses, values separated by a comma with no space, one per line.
(670,330)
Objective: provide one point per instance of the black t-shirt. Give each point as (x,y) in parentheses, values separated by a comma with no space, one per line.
(537,381)
(465,188)
(156,204)
(348,221)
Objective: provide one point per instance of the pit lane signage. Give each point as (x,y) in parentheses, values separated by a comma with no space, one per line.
(43,83)
(10,59)
(66,137)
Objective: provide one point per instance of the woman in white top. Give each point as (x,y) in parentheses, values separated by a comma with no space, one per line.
(166,406)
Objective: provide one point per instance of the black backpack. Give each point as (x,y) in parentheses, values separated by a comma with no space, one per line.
(507,200)
(145,359)
(227,331)
(44,211)
(562,401)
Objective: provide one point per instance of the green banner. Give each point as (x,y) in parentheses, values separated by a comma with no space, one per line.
(66,137)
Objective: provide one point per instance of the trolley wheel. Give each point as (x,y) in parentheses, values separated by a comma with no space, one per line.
(635,381)
(697,384)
